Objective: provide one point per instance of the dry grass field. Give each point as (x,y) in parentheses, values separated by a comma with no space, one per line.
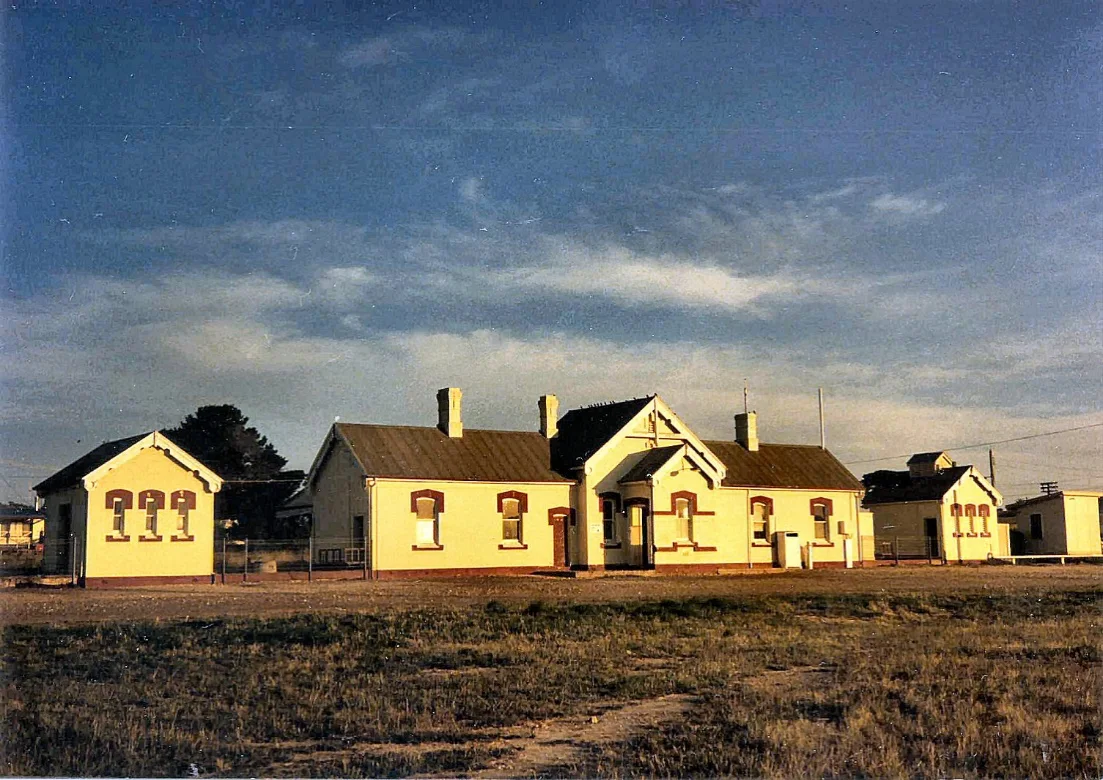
(992,671)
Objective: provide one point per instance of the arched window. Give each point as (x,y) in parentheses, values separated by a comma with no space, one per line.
(427,506)
(511,520)
(971,515)
(118,501)
(761,510)
(183,501)
(152,501)
(984,511)
(821,509)
(683,511)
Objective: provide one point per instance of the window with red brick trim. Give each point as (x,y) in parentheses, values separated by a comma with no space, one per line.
(821,509)
(761,509)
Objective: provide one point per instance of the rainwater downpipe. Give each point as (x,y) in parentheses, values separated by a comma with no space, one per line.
(370,533)
(957,528)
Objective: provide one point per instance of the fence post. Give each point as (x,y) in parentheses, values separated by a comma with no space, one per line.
(72,559)
(930,552)
(245,569)
(224,560)
(896,549)
(364,554)
(309,558)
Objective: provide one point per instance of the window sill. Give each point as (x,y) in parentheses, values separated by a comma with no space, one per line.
(683,545)
(956,535)
(986,536)
(427,547)
(610,545)
(117,538)
(150,538)
(971,535)
(183,538)
(823,544)
(761,544)
(517,546)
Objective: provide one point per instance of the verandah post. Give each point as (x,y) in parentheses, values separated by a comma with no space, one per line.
(245,568)
(309,558)
(223,559)
(896,549)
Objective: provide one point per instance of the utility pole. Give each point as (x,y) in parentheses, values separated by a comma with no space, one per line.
(823,435)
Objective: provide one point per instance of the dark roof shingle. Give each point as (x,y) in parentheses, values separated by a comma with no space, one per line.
(409,452)
(783,466)
(72,474)
(888,487)
(582,432)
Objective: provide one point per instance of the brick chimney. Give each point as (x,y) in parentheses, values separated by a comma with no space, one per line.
(746,431)
(449,412)
(549,415)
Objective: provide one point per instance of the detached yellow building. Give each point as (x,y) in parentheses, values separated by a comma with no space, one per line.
(132,511)
(1064,523)
(936,508)
(626,485)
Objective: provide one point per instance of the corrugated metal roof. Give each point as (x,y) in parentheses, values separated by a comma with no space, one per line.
(76,471)
(783,466)
(409,452)
(889,487)
(650,463)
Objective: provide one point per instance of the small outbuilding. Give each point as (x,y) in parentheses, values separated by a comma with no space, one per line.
(936,509)
(132,511)
(1063,523)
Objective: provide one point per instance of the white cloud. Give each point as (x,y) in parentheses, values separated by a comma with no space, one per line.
(907,205)
(127,363)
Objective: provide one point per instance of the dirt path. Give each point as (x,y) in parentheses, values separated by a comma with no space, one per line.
(559,742)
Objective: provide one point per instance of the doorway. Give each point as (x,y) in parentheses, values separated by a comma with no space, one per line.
(639,535)
(930,532)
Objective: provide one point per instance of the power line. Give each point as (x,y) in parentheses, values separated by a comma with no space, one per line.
(983,444)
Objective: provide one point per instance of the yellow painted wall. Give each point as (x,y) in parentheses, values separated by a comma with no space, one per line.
(973,545)
(906,521)
(605,474)
(151,469)
(1082,525)
(793,513)
(1070,525)
(470,527)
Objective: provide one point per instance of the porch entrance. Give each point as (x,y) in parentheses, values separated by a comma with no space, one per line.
(930,530)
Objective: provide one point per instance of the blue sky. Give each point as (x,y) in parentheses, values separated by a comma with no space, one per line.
(312,214)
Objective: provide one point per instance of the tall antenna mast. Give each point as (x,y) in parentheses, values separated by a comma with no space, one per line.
(746,408)
(823,435)
(992,466)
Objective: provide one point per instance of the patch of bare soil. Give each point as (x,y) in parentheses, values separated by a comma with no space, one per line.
(554,743)
(533,749)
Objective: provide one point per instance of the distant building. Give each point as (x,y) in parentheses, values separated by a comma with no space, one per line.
(936,508)
(20,526)
(625,485)
(131,511)
(1064,523)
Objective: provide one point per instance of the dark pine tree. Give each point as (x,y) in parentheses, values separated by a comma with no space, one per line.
(221,438)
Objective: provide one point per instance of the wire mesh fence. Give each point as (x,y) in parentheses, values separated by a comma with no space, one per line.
(908,548)
(50,557)
(264,558)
